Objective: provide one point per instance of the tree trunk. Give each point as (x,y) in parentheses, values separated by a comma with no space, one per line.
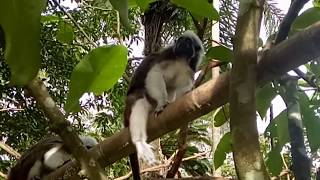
(301,163)
(245,143)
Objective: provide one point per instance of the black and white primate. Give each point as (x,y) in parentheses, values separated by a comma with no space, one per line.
(44,157)
(160,79)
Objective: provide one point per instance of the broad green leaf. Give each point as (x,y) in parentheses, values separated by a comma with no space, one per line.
(97,72)
(278,128)
(219,53)
(311,121)
(122,7)
(315,68)
(132,3)
(264,97)
(20,21)
(191,150)
(304,20)
(221,115)
(49,19)
(274,161)
(144,4)
(199,7)
(316,3)
(65,33)
(223,148)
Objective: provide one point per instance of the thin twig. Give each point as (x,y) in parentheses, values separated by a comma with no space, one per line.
(11,109)
(156,168)
(118,28)
(10,150)
(74,22)
(285,165)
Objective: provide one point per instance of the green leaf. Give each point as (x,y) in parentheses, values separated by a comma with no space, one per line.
(316,3)
(132,3)
(315,68)
(97,72)
(199,7)
(278,128)
(308,17)
(223,148)
(311,121)
(264,97)
(65,33)
(221,115)
(122,7)
(144,4)
(274,161)
(219,53)
(20,21)
(49,19)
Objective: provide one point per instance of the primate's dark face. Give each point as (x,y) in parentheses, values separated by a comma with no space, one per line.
(186,47)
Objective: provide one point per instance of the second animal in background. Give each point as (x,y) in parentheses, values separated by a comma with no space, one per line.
(44,157)
(159,80)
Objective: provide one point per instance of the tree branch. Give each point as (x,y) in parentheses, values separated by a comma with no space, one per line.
(285,27)
(243,125)
(62,127)
(287,21)
(158,167)
(74,22)
(10,150)
(280,59)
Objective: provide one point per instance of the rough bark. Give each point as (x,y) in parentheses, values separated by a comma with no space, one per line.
(289,54)
(245,139)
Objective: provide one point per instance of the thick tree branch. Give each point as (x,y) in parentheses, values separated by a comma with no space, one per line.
(245,138)
(301,163)
(295,51)
(287,21)
(284,28)
(62,127)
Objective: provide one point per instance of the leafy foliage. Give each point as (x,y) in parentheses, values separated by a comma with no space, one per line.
(219,53)
(223,148)
(20,21)
(304,20)
(97,73)
(199,8)
(68,63)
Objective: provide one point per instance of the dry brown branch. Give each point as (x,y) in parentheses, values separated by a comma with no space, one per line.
(10,150)
(289,54)
(158,167)
(11,109)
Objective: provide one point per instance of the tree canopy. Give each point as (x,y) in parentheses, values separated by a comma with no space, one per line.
(66,65)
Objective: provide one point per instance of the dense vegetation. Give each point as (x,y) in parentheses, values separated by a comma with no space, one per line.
(85,56)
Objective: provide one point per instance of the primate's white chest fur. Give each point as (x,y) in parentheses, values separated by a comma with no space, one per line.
(177,73)
(177,76)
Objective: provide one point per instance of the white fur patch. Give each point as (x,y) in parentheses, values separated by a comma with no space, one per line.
(156,86)
(35,170)
(56,157)
(88,141)
(145,152)
(138,129)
